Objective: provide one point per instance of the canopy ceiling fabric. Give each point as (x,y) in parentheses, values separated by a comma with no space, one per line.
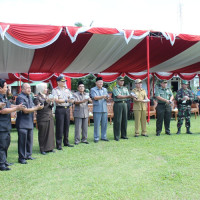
(78,51)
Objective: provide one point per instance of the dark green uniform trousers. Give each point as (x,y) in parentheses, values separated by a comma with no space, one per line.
(163,112)
(120,120)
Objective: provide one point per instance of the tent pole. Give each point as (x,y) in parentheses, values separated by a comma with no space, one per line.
(20,85)
(28,78)
(199,79)
(148,78)
(153,82)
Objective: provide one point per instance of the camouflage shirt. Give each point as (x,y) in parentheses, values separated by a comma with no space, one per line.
(181,93)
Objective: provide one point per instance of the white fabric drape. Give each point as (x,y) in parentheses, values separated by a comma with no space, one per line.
(185,58)
(100,53)
(14,59)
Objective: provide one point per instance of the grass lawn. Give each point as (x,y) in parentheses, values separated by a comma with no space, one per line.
(165,167)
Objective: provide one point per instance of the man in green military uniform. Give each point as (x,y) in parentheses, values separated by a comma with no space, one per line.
(163,110)
(120,96)
(184,98)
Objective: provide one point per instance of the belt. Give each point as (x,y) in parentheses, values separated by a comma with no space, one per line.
(161,103)
(120,101)
(62,107)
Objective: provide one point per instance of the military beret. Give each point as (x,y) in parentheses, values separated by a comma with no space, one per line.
(185,82)
(163,81)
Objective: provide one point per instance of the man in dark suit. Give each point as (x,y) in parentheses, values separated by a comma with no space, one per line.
(5,125)
(24,124)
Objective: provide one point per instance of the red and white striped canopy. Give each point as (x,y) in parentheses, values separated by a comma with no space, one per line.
(77,51)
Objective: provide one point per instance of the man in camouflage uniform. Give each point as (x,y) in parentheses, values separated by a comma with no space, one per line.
(163,110)
(120,96)
(184,99)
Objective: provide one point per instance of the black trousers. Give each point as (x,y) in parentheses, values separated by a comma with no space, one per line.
(25,143)
(4,144)
(163,113)
(62,115)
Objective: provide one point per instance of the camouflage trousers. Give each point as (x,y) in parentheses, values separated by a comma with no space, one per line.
(184,111)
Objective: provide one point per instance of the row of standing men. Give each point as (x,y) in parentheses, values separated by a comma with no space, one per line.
(63,99)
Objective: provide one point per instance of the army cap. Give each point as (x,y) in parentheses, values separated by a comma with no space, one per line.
(60,78)
(120,78)
(138,81)
(185,82)
(163,81)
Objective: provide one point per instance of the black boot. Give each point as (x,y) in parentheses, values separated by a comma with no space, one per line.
(188,131)
(179,131)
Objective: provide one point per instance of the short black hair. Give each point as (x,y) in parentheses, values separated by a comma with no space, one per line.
(2,81)
(80,83)
(99,78)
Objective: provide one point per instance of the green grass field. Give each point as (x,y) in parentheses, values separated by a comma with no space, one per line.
(165,167)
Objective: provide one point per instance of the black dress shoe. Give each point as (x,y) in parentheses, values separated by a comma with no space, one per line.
(30,158)
(68,145)
(157,134)
(136,135)
(86,142)
(4,169)
(145,135)
(106,140)
(59,148)
(125,138)
(9,164)
(43,153)
(22,161)
(168,133)
(76,143)
(96,141)
(52,151)
(117,140)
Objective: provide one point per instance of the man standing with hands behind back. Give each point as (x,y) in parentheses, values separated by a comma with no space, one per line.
(63,99)
(163,110)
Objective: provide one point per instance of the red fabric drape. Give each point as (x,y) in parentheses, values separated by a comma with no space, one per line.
(187,77)
(165,77)
(189,37)
(33,34)
(134,77)
(108,78)
(58,56)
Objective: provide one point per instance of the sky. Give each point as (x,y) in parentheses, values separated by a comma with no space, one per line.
(157,15)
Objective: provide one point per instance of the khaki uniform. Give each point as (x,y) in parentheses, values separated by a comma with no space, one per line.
(120,112)
(139,110)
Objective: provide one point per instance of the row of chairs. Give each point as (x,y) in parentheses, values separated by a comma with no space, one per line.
(194,109)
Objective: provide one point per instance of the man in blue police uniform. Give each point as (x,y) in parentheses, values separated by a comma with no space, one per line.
(5,125)
(24,124)
(63,99)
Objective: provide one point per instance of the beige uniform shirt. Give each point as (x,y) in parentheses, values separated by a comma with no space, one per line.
(80,110)
(64,93)
(141,95)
